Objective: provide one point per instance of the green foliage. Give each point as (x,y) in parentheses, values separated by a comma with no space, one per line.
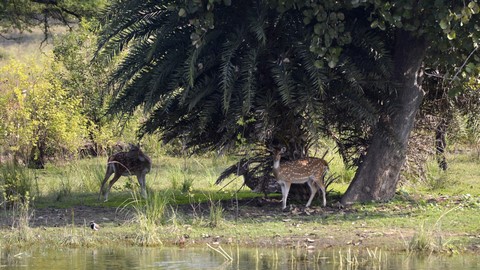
(39,117)
(465,124)
(250,63)
(86,176)
(16,184)
(428,238)
(296,69)
(24,15)
(156,206)
(437,179)
(150,215)
(216,213)
(187,185)
(86,79)
(16,189)
(374,224)
(452,25)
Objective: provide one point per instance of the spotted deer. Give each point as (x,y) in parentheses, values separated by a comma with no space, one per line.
(307,170)
(133,162)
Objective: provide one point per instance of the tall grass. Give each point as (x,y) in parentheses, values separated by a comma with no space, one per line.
(336,166)
(150,214)
(16,184)
(428,238)
(216,213)
(83,176)
(436,178)
(190,174)
(353,259)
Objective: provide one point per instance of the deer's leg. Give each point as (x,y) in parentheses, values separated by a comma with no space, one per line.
(313,191)
(141,181)
(285,191)
(114,179)
(322,188)
(105,179)
(282,186)
(321,185)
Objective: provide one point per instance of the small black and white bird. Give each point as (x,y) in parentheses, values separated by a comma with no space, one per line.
(94,226)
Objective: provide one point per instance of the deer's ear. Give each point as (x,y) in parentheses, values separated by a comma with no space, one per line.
(283,150)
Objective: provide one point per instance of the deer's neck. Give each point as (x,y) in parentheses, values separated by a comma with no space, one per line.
(276,168)
(276,164)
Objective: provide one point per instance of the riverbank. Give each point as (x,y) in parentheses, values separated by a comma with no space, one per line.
(185,209)
(443,224)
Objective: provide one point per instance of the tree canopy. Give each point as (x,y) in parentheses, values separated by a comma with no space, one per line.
(39,118)
(217,72)
(24,15)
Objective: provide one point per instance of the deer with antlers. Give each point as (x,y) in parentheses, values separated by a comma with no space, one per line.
(133,162)
(308,170)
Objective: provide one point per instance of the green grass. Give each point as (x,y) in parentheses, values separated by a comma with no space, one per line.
(188,180)
(423,217)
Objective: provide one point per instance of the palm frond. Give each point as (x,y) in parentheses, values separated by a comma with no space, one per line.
(125,21)
(248,75)
(284,83)
(229,69)
(256,22)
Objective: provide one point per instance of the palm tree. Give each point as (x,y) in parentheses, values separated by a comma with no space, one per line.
(251,78)
(233,80)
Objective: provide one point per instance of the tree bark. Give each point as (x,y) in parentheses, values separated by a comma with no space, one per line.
(441,144)
(377,176)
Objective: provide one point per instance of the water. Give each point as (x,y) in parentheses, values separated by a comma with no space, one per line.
(205,258)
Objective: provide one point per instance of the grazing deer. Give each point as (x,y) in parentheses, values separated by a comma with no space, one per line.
(133,162)
(308,170)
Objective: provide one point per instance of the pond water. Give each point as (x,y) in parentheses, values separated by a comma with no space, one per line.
(206,258)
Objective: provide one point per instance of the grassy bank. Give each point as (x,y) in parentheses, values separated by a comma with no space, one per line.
(439,214)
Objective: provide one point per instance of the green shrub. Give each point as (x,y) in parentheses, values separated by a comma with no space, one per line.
(16,183)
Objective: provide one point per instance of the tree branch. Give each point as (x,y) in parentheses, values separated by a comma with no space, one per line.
(464,63)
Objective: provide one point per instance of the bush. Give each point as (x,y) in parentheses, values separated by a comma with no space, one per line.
(16,183)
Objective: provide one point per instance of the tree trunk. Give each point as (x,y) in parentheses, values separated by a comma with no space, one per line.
(377,176)
(37,157)
(441,144)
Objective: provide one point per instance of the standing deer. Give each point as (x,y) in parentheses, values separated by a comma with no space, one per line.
(133,162)
(308,170)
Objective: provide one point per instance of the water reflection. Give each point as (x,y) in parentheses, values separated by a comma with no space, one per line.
(204,258)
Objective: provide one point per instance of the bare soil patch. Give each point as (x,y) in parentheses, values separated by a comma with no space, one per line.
(314,236)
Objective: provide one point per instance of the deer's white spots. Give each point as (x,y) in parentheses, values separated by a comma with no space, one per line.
(309,170)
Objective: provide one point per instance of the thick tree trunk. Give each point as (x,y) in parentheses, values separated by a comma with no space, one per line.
(377,176)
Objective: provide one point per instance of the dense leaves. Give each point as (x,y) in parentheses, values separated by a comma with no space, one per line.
(217,72)
(26,15)
(39,118)
(210,91)
(251,77)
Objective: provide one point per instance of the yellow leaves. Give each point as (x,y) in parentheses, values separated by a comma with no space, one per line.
(451,35)
(36,107)
(459,16)
(444,24)
(473,6)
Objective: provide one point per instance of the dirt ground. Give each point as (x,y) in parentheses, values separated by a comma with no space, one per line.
(80,215)
(255,210)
